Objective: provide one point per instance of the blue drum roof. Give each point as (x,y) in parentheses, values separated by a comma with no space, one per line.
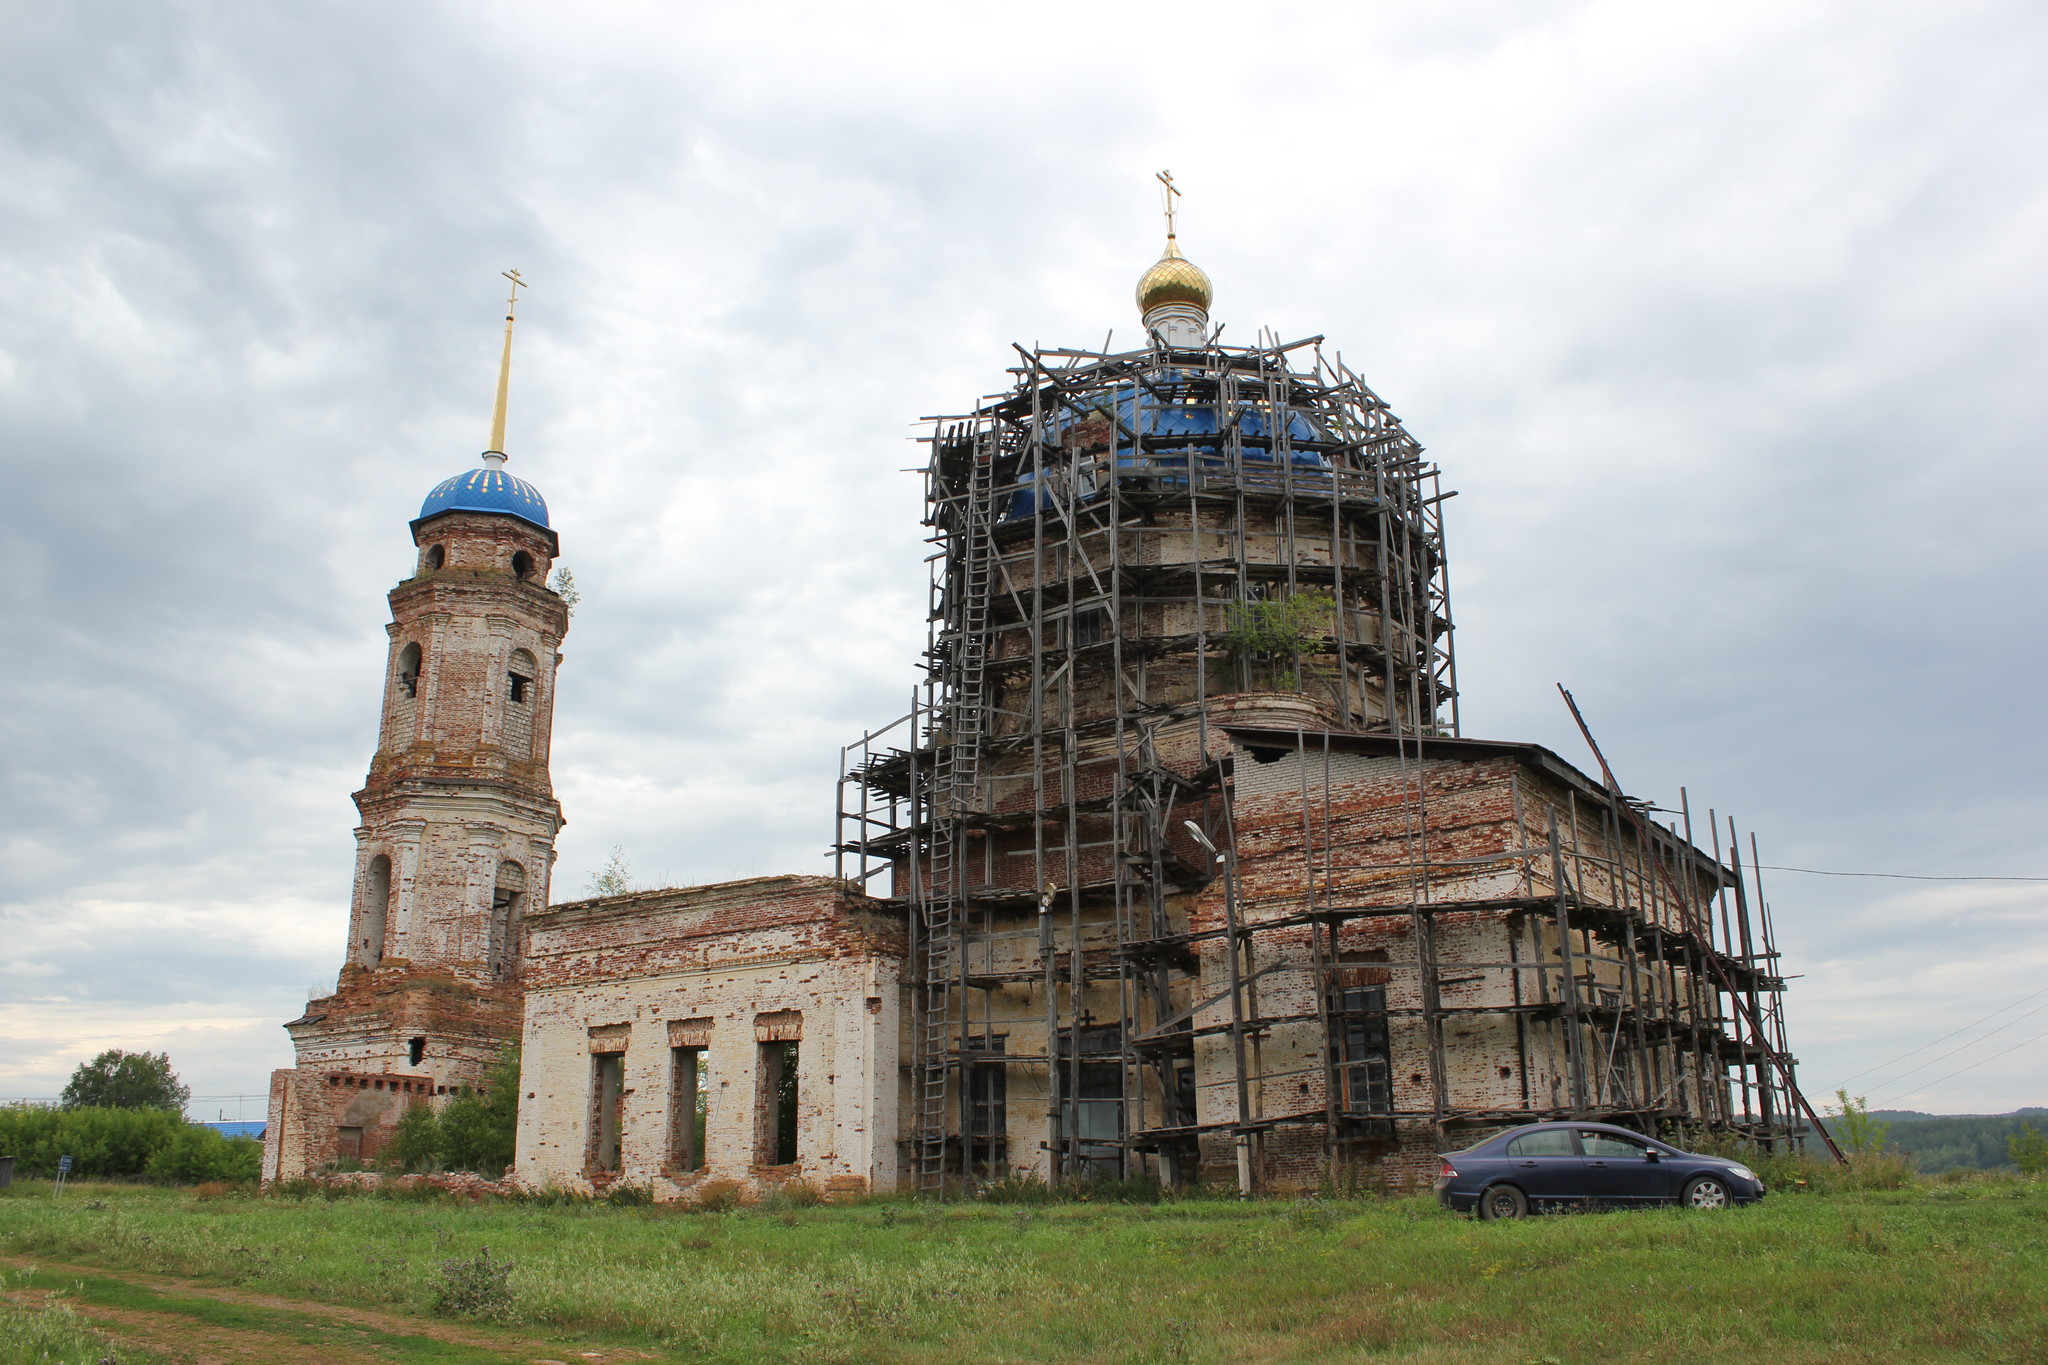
(487,490)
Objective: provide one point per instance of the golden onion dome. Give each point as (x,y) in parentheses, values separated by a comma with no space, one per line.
(1175,279)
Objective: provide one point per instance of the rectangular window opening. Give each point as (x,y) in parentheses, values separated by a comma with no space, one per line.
(1359,1019)
(988,1096)
(778,1101)
(607,1099)
(519,686)
(1090,627)
(1092,1101)
(415,1050)
(689,1099)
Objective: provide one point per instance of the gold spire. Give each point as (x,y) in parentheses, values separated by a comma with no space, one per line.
(1174,278)
(497,446)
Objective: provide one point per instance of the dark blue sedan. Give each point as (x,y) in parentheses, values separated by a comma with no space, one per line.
(1586,1165)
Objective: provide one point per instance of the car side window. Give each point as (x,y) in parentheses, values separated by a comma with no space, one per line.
(1550,1142)
(1612,1146)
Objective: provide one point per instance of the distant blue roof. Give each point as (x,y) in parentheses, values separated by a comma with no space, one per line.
(487,490)
(235,1128)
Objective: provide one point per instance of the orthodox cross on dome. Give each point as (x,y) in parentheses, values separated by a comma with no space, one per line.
(1171,193)
(497,446)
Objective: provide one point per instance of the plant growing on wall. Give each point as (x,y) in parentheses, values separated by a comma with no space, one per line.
(565,588)
(1278,632)
(615,878)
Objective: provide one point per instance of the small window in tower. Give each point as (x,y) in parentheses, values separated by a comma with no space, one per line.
(415,1050)
(522,564)
(409,663)
(520,686)
(437,555)
(1089,627)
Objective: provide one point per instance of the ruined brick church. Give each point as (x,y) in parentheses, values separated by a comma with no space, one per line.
(1180,867)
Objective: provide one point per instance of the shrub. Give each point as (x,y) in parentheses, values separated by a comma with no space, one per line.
(630,1196)
(100,1142)
(793,1194)
(1029,1189)
(1873,1170)
(716,1196)
(198,1153)
(1017,1189)
(476,1287)
(1860,1131)
(1137,1189)
(474,1131)
(416,1143)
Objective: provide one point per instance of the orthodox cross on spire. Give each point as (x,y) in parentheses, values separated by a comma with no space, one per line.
(1171,193)
(504,370)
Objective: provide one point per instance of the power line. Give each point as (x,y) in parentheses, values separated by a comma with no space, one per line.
(1944,1037)
(1967,1046)
(1971,1067)
(1896,876)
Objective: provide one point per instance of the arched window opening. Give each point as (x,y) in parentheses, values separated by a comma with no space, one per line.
(508,898)
(437,555)
(410,660)
(415,1050)
(522,564)
(368,948)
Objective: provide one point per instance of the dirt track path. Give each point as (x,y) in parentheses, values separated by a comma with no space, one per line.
(215,1325)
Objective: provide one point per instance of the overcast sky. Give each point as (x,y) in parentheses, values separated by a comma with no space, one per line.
(1726,321)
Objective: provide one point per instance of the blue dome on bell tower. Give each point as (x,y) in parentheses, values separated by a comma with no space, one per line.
(489,489)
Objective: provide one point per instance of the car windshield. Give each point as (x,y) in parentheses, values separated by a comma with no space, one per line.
(1549,1142)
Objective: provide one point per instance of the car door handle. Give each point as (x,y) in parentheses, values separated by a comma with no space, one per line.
(1525,1163)
(1597,1165)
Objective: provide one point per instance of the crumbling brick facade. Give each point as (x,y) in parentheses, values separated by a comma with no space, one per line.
(654,1021)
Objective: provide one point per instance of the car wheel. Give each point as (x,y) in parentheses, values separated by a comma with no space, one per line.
(1705,1192)
(1503,1201)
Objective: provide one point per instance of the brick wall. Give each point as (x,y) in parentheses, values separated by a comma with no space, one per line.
(734,969)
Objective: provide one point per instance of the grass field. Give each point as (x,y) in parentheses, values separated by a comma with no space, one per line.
(1937,1271)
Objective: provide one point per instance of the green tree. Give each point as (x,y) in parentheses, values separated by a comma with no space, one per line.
(2028,1149)
(127,1080)
(473,1131)
(478,1128)
(1864,1134)
(417,1144)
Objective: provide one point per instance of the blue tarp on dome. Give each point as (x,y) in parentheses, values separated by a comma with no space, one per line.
(1179,438)
(487,490)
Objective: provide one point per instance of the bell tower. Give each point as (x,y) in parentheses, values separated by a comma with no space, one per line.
(458,824)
